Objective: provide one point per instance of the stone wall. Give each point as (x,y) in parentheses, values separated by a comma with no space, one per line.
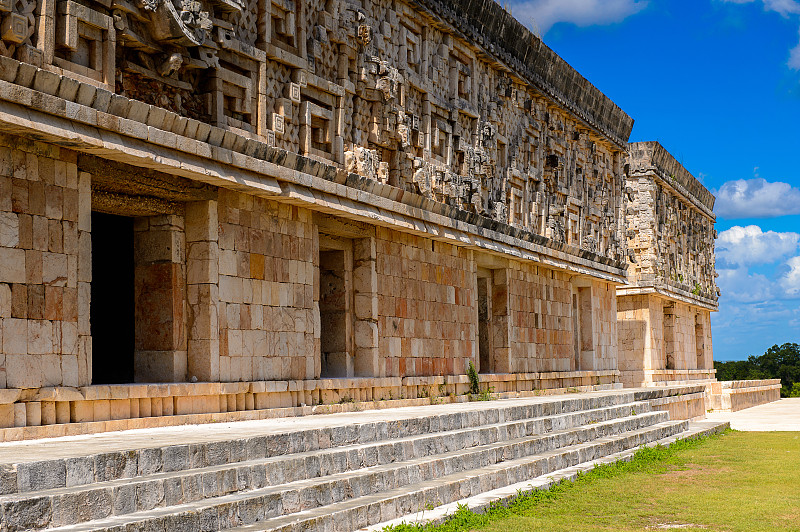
(324,201)
(663,340)
(45,266)
(426,306)
(266,290)
(541,328)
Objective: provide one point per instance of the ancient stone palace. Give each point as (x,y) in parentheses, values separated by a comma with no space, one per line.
(215,209)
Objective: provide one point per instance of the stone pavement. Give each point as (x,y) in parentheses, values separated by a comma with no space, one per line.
(779,415)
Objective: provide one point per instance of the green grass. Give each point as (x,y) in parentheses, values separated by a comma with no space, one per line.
(737,481)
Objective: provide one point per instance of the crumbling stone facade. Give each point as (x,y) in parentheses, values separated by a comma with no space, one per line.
(665,310)
(267,204)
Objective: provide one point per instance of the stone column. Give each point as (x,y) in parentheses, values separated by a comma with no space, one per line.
(160,287)
(365,289)
(84,278)
(202,289)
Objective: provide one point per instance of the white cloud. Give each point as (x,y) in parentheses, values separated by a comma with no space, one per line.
(794,57)
(747,246)
(543,14)
(790,281)
(739,285)
(756,198)
(784,7)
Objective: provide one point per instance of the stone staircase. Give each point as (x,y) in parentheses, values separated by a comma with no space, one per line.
(331,472)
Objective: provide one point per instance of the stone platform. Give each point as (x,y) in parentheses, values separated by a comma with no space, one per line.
(340,471)
(68,411)
(731,396)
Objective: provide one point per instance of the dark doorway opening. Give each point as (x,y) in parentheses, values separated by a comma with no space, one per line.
(112,303)
(485,324)
(334,307)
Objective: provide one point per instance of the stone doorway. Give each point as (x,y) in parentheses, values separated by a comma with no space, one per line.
(336,306)
(485,349)
(582,326)
(112,306)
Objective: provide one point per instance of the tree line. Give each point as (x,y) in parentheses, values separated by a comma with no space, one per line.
(779,362)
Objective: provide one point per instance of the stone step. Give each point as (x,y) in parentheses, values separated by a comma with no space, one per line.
(58,464)
(123,496)
(317,492)
(482,501)
(364,511)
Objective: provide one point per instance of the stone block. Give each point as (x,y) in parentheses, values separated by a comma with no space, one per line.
(12,265)
(160,366)
(15,337)
(9,229)
(81,411)
(55,269)
(33,413)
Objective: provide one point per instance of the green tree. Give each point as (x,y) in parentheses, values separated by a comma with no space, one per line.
(779,362)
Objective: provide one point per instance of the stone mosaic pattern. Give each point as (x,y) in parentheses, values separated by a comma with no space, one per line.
(670,224)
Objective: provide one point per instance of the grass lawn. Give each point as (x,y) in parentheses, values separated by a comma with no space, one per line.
(737,481)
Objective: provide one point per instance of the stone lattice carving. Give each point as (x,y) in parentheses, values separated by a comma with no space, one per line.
(382,90)
(17,25)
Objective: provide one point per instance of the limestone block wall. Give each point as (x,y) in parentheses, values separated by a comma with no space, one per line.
(541,320)
(267,320)
(605,325)
(663,340)
(549,332)
(45,266)
(427,317)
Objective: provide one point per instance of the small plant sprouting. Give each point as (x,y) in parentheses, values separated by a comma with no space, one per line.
(474,382)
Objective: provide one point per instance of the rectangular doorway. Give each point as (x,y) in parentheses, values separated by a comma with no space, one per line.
(700,341)
(485,349)
(112,304)
(668,332)
(335,311)
(583,327)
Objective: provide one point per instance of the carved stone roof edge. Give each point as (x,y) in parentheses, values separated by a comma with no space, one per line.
(489,26)
(670,292)
(651,155)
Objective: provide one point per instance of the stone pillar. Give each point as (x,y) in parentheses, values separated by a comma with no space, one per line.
(315,311)
(160,287)
(84,277)
(202,289)
(365,289)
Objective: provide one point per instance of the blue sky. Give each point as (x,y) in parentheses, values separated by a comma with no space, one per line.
(718,84)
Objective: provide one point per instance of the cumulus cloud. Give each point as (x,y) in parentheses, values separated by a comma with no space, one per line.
(756,198)
(747,246)
(545,13)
